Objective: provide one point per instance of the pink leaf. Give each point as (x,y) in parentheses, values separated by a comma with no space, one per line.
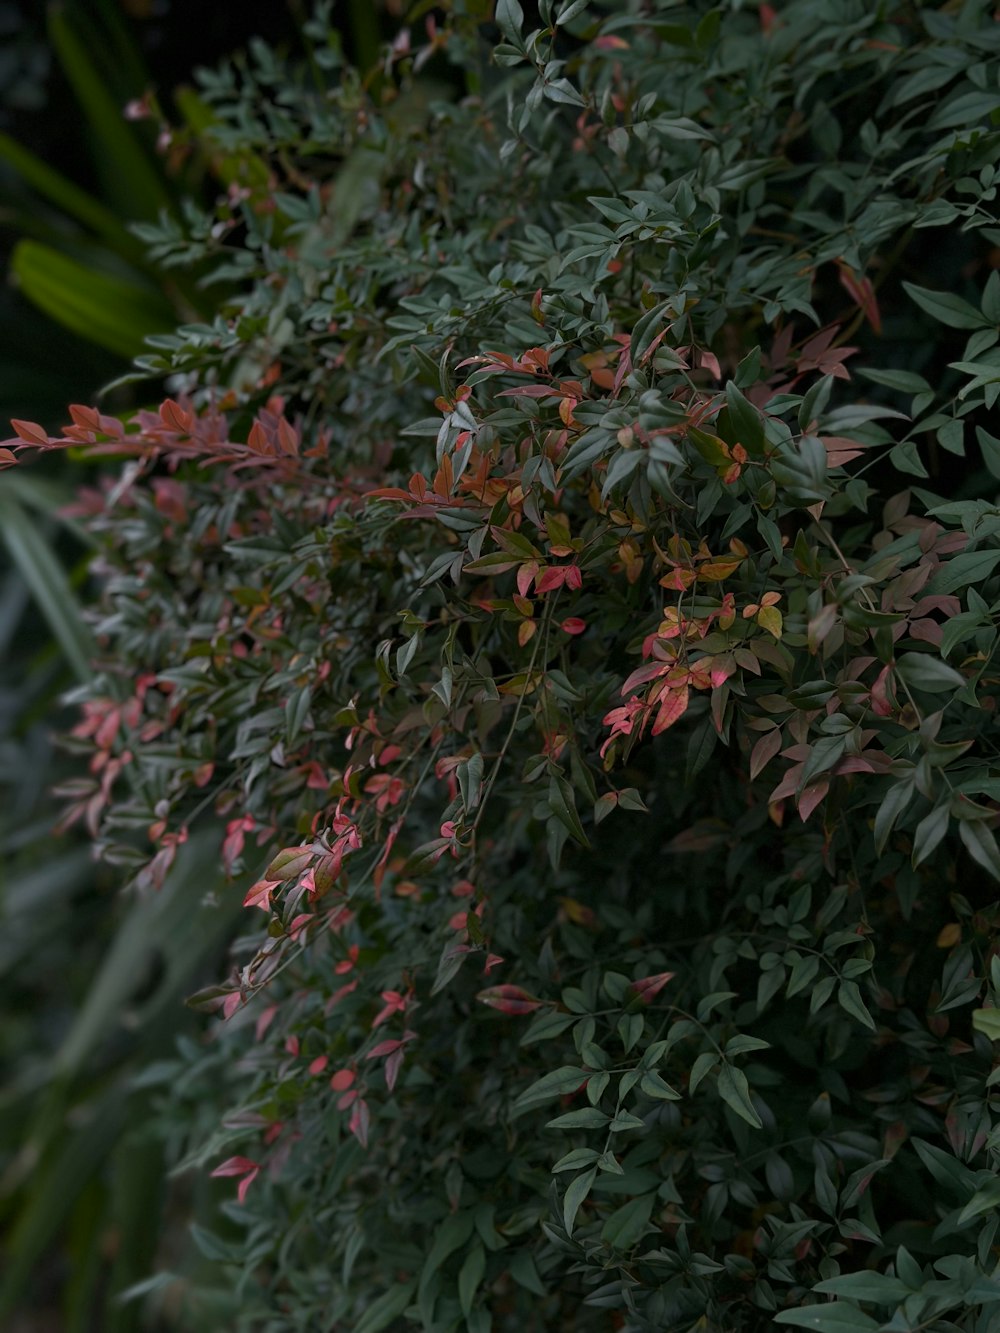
(30,433)
(236,1166)
(259,895)
(244,1185)
(811,798)
(648,987)
(392,1068)
(764,751)
(384,1048)
(359,1122)
(672,708)
(509,999)
(239,1166)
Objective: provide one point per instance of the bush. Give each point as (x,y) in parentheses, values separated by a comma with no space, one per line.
(560,580)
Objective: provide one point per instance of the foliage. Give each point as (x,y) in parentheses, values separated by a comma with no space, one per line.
(92,984)
(559,582)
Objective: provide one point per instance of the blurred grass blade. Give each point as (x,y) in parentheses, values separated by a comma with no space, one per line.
(111,311)
(43,574)
(46,497)
(55,1187)
(53,186)
(109,38)
(169,923)
(132,183)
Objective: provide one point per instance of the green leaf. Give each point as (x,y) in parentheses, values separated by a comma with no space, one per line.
(570,11)
(46,579)
(562,803)
(588,1117)
(903,380)
(510,19)
(745,420)
(985,1200)
(981,844)
(451,1235)
(389,1306)
(865,1286)
(469,1277)
(990,446)
(654,1086)
(892,805)
(929,832)
(575,1159)
(966,570)
(946,307)
(626,1226)
(849,999)
(645,330)
(735,1092)
(836,1317)
(112,311)
(924,671)
(987,1021)
(556,1083)
(574,1197)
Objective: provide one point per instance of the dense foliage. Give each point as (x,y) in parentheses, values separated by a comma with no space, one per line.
(565,577)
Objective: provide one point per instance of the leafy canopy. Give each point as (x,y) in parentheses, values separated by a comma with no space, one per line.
(566,576)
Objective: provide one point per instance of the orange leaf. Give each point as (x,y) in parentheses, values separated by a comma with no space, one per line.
(672,708)
(721,568)
(30,433)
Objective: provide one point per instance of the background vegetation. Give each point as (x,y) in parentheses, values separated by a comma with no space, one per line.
(557,599)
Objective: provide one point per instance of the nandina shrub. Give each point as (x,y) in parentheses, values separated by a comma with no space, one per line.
(567,580)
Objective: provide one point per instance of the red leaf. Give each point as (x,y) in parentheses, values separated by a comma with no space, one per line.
(811,798)
(673,707)
(244,1185)
(175,417)
(861,291)
(392,1068)
(259,895)
(509,999)
(288,437)
(257,439)
(7,458)
(30,433)
(384,1048)
(883,700)
(648,987)
(551,578)
(764,751)
(342,1080)
(236,1166)
(573,625)
(319,1064)
(359,1122)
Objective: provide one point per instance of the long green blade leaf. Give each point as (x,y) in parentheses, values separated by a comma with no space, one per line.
(49,586)
(69,198)
(132,183)
(110,311)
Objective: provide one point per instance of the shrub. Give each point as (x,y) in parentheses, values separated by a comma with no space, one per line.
(560,579)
